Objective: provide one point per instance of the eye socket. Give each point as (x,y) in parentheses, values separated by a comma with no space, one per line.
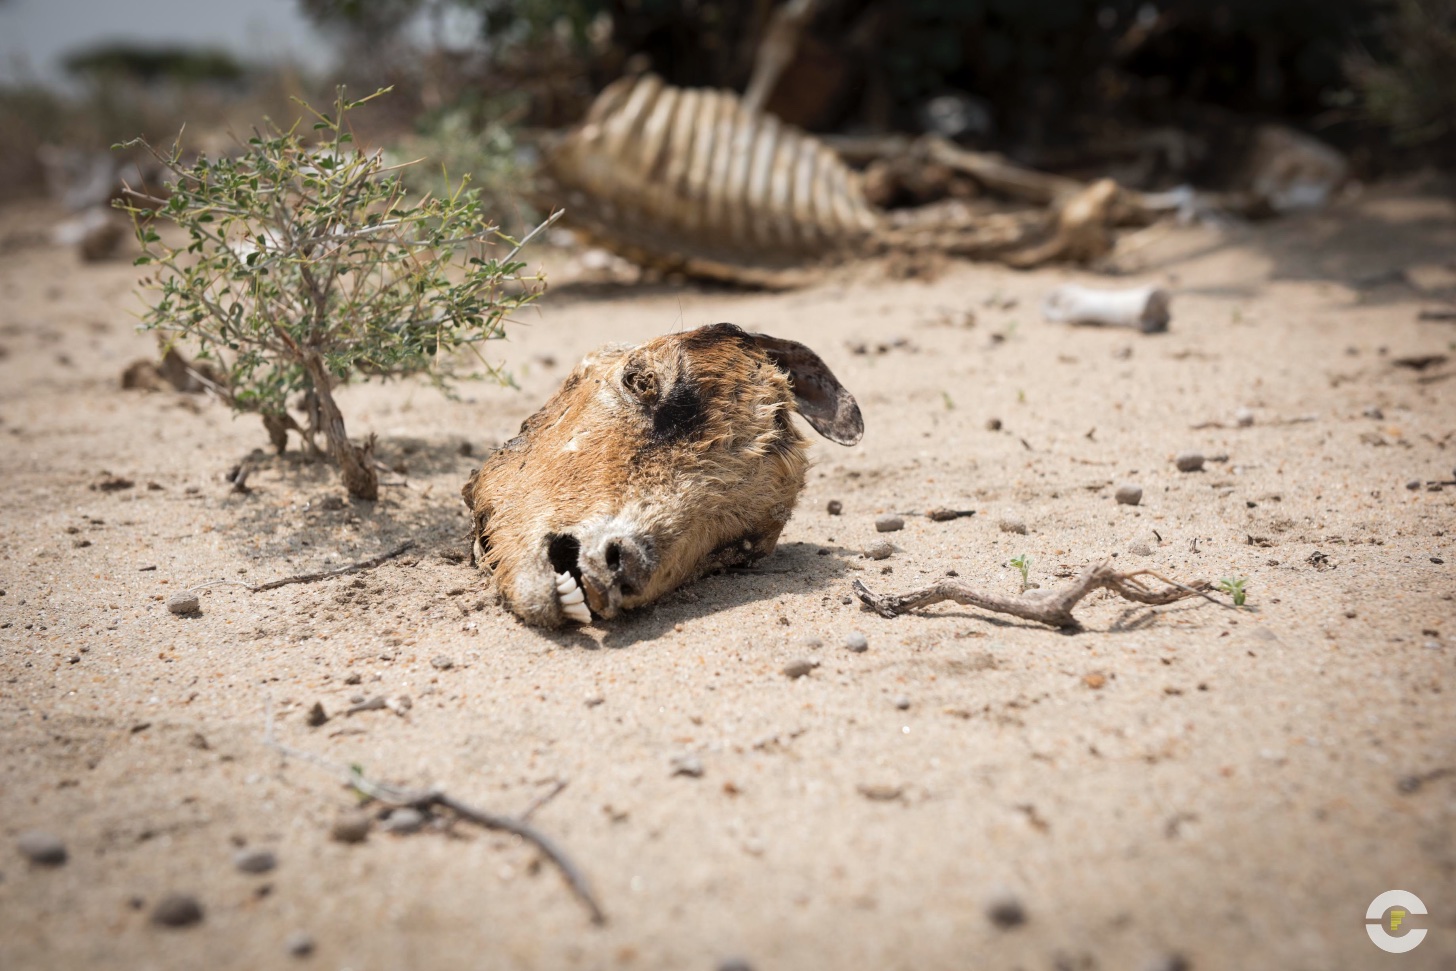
(640,382)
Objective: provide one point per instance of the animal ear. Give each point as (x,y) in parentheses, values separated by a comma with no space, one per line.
(821,398)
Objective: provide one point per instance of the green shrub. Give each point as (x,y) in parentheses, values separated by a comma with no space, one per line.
(306,264)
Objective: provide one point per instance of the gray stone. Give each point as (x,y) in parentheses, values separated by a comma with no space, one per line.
(351,827)
(888,524)
(255,860)
(856,642)
(1189,461)
(184,602)
(300,944)
(42,848)
(442,663)
(405,819)
(902,703)
(1128,493)
(687,764)
(1005,911)
(835,507)
(800,667)
(1244,417)
(1012,524)
(177,910)
(880,551)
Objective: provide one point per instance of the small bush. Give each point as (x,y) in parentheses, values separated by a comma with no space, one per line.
(308,264)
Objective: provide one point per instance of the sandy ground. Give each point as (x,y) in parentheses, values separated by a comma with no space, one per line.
(1228,789)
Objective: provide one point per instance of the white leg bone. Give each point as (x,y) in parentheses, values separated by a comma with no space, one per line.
(1142,308)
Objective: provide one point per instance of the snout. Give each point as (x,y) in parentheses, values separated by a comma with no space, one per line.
(598,567)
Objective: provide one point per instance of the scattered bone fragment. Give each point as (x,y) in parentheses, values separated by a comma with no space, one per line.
(1142,308)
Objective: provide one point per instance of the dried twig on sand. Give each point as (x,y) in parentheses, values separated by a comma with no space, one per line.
(342,571)
(1051,607)
(427,799)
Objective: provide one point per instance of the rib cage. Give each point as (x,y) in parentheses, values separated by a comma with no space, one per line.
(691,180)
(691,177)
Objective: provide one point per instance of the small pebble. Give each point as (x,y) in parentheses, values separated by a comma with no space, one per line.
(1006,912)
(1129,494)
(1437,560)
(1413,484)
(1168,962)
(1375,413)
(993,424)
(687,764)
(811,642)
(43,848)
(184,602)
(256,860)
(1140,549)
(177,910)
(441,663)
(856,642)
(880,792)
(799,668)
(1012,524)
(1189,461)
(1244,417)
(888,524)
(351,827)
(880,551)
(835,507)
(902,703)
(300,944)
(734,964)
(405,819)
(316,715)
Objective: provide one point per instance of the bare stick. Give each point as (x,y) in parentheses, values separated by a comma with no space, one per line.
(425,799)
(1050,607)
(541,800)
(330,574)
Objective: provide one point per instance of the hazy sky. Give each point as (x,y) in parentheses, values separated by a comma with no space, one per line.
(36,34)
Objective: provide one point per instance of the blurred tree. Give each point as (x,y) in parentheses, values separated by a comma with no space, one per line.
(1407,75)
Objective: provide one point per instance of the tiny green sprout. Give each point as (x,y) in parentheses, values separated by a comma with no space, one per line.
(1023,563)
(949,402)
(1234,587)
(1020,396)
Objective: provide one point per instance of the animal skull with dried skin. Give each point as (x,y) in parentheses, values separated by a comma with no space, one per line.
(651,466)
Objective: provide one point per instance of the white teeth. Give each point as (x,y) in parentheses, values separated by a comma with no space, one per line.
(573,601)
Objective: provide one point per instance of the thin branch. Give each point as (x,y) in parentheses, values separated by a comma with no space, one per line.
(425,799)
(330,574)
(1050,607)
(543,799)
(359,567)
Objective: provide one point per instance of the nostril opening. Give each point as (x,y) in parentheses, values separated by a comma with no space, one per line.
(628,590)
(614,557)
(563,550)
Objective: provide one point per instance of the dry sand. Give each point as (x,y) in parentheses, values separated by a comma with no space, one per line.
(1226,788)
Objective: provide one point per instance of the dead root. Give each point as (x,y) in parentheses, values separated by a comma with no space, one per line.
(1050,607)
(425,800)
